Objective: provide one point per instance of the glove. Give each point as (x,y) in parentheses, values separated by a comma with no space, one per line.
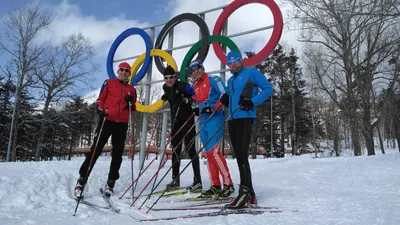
(187,100)
(224,100)
(164,97)
(206,110)
(129,99)
(196,111)
(245,103)
(103,114)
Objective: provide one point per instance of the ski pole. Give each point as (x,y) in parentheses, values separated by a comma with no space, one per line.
(137,197)
(90,163)
(173,163)
(222,125)
(131,143)
(172,128)
(152,161)
(148,147)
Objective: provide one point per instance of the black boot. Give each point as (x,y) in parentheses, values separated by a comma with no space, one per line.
(175,183)
(227,191)
(242,200)
(195,187)
(213,191)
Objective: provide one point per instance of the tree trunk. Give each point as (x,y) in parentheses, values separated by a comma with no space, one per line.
(355,139)
(397,132)
(369,139)
(70,148)
(282,139)
(42,129)
(336,143)
(294,140)
(381,144)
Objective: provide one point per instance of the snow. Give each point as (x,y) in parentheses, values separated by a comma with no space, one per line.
(342,190)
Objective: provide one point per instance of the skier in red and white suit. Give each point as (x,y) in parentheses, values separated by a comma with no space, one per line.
(208,90)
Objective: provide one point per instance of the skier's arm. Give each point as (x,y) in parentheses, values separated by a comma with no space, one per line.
(266,88)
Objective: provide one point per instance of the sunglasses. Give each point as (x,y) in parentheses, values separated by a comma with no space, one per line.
(229,62)
(169,77)
(125,70)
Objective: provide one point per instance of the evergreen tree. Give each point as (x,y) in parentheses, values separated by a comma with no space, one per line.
(291,114)
(28,126)
(6,90)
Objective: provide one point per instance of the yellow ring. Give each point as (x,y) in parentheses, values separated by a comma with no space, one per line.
(135,67)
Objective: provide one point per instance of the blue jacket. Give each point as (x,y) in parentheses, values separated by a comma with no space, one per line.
(246,83)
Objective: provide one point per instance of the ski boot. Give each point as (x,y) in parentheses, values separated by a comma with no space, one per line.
(213,191)
(78,190)
(108,189)
(242,200)
(226,191)
(195,187)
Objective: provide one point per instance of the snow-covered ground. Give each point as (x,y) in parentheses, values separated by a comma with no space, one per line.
(345,190)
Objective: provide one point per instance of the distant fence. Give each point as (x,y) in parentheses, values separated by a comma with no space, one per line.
(155,150)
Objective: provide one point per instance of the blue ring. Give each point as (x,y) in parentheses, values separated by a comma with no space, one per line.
(117,42)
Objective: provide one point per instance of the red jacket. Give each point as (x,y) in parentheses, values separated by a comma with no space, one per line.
(113,98)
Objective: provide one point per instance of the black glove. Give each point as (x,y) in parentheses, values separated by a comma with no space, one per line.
(129,99)
(245,103)
(206,110)
(164,97)
(224,100)
(187,100)
(103,114)
(196,111)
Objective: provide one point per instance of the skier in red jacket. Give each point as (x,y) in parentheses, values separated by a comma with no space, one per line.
(113,107)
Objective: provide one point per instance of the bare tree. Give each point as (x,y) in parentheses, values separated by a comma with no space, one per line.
(22,26)
(353,41)
(61,70)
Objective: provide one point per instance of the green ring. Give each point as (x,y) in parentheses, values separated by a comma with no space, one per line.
(196,47)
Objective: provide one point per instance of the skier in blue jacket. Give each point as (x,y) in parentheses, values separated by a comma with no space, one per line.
(208,90)
(243,88)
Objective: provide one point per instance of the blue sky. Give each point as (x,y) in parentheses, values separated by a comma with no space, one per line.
(102,21)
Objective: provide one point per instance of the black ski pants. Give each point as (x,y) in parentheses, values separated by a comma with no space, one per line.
(240,135)
(189,146)
(117,131)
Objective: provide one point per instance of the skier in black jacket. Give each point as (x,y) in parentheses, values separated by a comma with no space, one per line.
(179,96)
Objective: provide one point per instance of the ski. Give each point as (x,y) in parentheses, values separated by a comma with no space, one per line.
(212,202)
(169,192)
(207,198)
(109,201)
(208,207)
(92,204)
(224,212)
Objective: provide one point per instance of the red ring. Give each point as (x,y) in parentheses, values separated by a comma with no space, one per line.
(271,44)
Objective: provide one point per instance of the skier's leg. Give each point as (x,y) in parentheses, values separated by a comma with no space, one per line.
(211,164)
(118,143)
(103,138)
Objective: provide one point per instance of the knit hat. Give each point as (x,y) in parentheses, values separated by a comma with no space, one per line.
(196,64)
(169,71)
(233,57)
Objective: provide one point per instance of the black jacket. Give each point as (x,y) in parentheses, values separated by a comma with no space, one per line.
(175,94)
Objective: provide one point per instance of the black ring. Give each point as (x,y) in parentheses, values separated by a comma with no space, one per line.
(205,33)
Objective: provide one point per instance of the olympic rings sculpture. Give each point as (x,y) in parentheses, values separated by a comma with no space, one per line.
(201,47)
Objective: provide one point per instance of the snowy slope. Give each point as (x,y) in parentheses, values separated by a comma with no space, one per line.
(347,190)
